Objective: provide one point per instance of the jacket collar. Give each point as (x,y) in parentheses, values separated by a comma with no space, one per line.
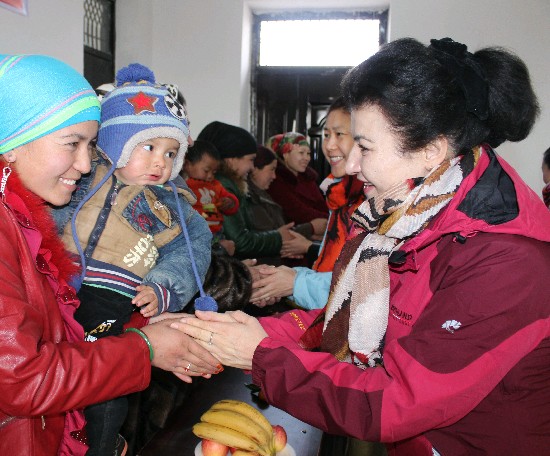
(493,199)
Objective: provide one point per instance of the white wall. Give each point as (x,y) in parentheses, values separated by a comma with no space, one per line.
(53,27)
(518,26)
(195,44)
(203,46)
(211,59)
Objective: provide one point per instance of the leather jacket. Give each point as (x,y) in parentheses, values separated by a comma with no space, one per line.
(42,374)
(237,227)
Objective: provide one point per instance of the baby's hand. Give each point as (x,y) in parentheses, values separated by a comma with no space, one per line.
(225,204)
(147,300)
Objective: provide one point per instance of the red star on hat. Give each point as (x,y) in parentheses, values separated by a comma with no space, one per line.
(142,102)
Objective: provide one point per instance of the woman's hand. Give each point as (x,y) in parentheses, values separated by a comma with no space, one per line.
(232,337)
(169,315)
(285,232)
(274,283)
(319,226)
(177,352)
(296,247)
(256,276)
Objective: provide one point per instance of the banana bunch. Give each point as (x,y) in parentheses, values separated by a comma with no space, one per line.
(238,425)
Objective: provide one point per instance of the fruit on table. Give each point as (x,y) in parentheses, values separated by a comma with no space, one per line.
(279,437)
(227,436)
(245,409)
(237,425)
(213,448)
(239,422)
(244,453)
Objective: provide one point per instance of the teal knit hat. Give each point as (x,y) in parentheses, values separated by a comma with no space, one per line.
(39,95)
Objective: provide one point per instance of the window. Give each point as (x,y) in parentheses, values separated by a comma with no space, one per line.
(321,42)
(99,41)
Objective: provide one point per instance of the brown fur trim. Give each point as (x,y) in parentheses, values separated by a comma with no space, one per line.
(242,184)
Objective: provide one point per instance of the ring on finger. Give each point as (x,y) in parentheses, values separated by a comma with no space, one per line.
(187,368)
(211,337)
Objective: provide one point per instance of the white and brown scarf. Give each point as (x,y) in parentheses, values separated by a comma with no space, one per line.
(356,316)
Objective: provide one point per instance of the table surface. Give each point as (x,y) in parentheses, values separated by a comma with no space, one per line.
(178,439)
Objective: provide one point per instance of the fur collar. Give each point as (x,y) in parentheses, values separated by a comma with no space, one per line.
(38,211)
(241,184)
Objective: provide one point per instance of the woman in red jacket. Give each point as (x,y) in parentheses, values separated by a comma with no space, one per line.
(48,123)
(436,336)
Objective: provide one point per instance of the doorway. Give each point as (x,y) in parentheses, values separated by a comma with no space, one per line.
(296,98)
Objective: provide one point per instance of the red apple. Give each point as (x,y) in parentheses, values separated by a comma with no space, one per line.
(213,448)
(280,437)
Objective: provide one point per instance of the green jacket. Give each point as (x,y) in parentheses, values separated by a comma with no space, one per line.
(248,242)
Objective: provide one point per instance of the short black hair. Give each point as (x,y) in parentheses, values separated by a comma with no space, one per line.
(264,157)
(339,105)
(201,148)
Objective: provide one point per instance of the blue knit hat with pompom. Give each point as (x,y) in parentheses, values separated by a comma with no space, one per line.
(137,110)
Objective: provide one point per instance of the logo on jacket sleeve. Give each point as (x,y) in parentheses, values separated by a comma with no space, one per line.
(451,325)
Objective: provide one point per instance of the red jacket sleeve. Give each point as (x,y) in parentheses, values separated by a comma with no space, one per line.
(223,193)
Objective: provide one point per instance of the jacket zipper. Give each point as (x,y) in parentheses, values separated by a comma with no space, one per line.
(115,192)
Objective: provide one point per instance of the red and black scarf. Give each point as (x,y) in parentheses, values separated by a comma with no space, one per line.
(343,196)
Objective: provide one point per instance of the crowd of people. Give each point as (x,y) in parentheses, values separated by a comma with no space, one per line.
(414,274)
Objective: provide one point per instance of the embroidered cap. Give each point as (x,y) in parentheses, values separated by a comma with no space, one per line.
(39,95)
(139,109)
(282,143)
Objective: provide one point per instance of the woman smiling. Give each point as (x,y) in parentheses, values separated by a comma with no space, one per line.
(436,336)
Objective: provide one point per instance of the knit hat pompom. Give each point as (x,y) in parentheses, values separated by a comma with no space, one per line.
(283,143)
(138,110)
(134,72)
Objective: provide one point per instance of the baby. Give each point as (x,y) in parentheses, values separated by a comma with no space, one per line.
(214,201)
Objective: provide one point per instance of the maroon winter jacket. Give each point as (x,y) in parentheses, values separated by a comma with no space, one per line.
(299,196)
(467,350)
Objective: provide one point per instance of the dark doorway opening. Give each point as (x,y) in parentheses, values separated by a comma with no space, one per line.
(297,98)
(99,41)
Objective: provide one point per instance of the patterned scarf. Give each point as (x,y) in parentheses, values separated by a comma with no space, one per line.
(546,195)
(356,316)
(343,196)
